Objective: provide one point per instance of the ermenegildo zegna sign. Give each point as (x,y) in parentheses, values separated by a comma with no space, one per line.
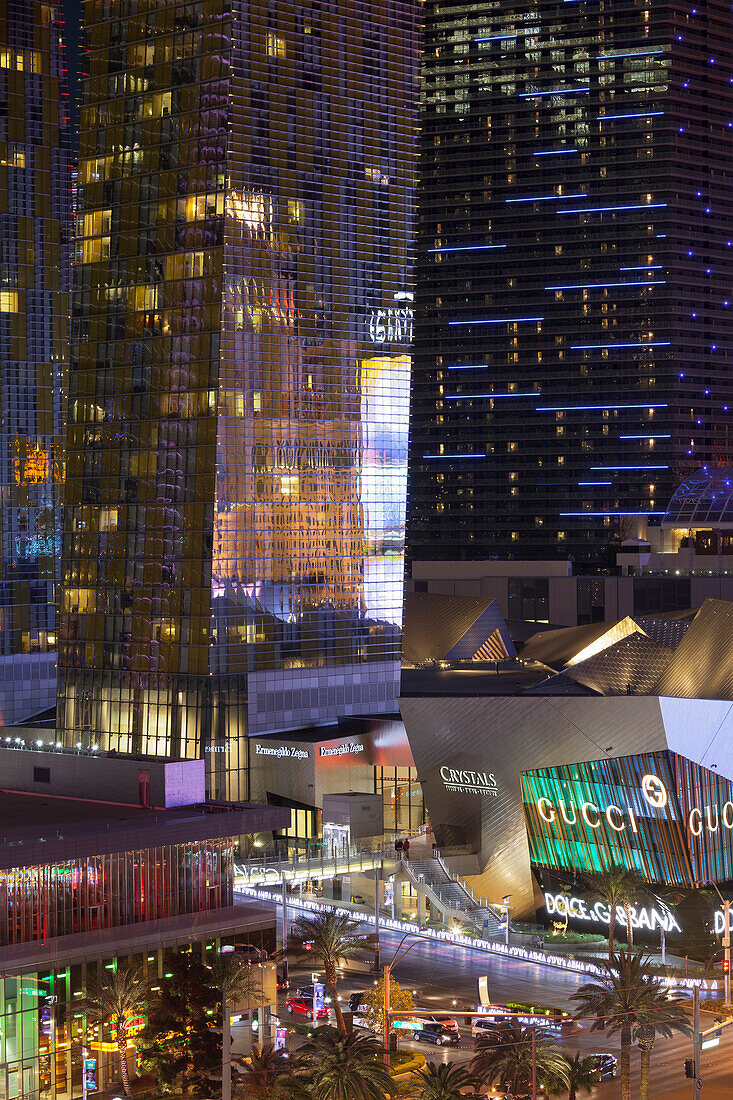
(658,813)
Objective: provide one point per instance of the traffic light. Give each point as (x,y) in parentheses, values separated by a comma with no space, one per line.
(689,1067)
(726,965)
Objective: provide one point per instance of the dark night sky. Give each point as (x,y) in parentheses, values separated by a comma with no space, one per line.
(72,18)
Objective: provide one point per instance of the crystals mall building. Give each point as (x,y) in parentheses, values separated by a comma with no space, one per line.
(607,744)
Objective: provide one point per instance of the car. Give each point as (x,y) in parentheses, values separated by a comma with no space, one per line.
(606,1065)
(299,1006)
(446,1022)
(306,992)
(488,1025)
(439,1034)
(281,983)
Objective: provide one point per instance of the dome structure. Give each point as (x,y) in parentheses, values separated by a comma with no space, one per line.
(703,500)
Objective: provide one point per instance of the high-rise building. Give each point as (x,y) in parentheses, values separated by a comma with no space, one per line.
(35,224)
(238,392)
(574,312)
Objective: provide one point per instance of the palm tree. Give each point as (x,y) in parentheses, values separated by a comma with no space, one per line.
(505,1055)
(582,1074)
(333,938)
(663,1013)
(114,997)
(346,1067)
(615,886)
(262,1073)
(636,889)
(444,1081)
(620,1000)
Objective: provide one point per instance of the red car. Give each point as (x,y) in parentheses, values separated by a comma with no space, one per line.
(298,1006)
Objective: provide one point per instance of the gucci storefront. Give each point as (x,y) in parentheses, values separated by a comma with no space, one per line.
(545,791)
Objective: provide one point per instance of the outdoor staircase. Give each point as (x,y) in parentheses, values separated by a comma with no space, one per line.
(452,897)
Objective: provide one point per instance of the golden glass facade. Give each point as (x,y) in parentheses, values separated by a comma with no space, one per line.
(35,223)
(238,398)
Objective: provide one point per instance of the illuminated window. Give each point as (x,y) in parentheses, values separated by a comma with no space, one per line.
(15,157)
(295,211)
(275,45)
(289,485)
(107,519)
(8,301)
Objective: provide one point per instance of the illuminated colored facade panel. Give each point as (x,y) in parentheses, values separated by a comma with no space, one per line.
(35,224)
(658,813)
(238,424)
(573,271)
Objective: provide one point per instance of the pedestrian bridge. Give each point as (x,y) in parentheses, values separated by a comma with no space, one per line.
(303,866)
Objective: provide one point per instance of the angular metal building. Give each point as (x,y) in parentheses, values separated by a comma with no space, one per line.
(238,396)
(603,745)
(35,231)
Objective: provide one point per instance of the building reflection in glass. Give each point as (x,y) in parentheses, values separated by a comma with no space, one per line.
(238,394)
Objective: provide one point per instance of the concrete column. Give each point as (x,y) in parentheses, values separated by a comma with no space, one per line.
(420,907)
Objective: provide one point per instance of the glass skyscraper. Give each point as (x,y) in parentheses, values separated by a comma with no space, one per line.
(574,308)
(238,392)
(35,224)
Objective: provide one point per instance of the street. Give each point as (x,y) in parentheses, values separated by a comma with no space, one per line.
(441,974)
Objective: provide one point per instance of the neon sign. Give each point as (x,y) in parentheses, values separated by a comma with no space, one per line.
(619,818)
(600,913)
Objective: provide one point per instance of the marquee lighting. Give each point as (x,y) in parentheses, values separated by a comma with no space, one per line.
(578,966)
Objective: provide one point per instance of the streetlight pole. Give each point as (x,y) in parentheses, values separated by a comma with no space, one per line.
(388,968)
(376,920)
(534,1065)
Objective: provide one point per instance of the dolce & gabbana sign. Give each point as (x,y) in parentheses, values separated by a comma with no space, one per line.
(464,781)
(597,912)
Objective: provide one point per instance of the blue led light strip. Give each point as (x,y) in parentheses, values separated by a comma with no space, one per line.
(647,435)
(600,347)
(555,91)
(497,321)
(603,209)
(585,483)
(631,114)
(550,198)
(642,468)
(643,267)
(497,38)
(454,456)
(470,366)
(610,513)
(467,248)
(601,286)
(553,152)
(476,396)
(633,53)
(593,408)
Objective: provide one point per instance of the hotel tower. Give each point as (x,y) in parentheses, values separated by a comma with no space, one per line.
(238,392)
(574,311)
(35,229)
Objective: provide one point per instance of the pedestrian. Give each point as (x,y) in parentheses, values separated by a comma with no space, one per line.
(406,849)
(398,846)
